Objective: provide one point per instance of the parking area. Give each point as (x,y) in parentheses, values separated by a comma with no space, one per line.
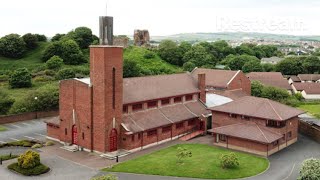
(31,130)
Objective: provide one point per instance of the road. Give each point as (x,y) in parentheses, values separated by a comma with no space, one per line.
(32,129)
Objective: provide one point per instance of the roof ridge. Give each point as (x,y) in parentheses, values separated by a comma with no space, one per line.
(165,115)
(134,122)
(274,110)
(189,110)
(234,76)
(227,125)
(262,132)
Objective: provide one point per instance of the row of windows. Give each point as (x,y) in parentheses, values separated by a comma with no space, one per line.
(153,104)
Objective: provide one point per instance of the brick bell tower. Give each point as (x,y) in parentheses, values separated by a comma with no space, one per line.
(106,71)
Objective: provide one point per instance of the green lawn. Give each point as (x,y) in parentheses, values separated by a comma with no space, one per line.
(204,163)
(2,128)
(312,109)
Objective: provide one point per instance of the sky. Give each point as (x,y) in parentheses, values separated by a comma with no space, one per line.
(162,17)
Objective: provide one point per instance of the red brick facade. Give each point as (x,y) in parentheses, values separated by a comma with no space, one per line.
(240,81)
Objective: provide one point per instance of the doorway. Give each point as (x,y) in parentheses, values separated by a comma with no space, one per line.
(74,135)
(113,140)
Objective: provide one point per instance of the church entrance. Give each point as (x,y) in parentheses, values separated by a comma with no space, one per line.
(113,140)
(74,135)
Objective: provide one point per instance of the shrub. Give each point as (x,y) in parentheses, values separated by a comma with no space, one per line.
(23,143)
(43,78)
(55,62)
(8,157)
(29,159)
(149,55)
(31,40)
(182,153)
(37,170)
(66,73)
(4,78)
(57,37)
(36,146)
(12,46)
(106,177)
(131,68)
(20,78)
(41,37)
(52,49)
(310,169)
(274,93)
(82,35)
(229,161)
(5,103)
(188,66)
(49,143)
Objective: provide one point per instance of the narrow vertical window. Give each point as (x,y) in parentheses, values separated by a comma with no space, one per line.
(113,88)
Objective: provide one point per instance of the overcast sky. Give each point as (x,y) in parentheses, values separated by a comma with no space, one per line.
(162,17)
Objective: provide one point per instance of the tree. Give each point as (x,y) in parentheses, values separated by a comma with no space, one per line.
(290,66)
(55,62)
(275,94)
(267,67)
(20,78)
(12,46)
(229,160)
(183,153)
(310,169)
(189,66)
(256,89)
(41,37)
(52,49)
(252,66)
(311,65)
(66,73)
(31,40)
(57,37)
(199,56)
(184,47)
(5,103)
(245,49)
(29,159)
(169,51)
(236,62)
(130,68)
(82,35)
(222,49)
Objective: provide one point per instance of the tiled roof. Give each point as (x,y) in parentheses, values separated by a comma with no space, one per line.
(309,77)
(250,131)
(270,79)
(309,88)
(295,78)
(214,77)
(259,107)
(233,94)
(140,89)
(154,118)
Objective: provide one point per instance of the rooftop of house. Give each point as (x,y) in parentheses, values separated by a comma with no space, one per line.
(274,79)
(272,59)
(214,77)
(165,115)
(295,78)
(250,131)
(309,77)
(258,107)
(309,88)
(139,89)
(232,94)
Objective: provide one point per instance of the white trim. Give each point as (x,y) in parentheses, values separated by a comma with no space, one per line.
(194,70)
(233,77)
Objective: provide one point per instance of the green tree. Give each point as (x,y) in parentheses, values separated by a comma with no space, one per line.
(256,88)
(222,49)
(55,62)
(5,103)
(57,37)
(169,51)
(130,68)
(12,46)
(199,56)
(275,94)
(52,49)
(229,161)
(252,66)
(236,62)
(29,159)
(310,169)
(31,40)
(66,73)
(290,66)
(20,78)
(183,153)
(267,67)
(83,36)
(311,64)
(41,37)
(184,47)
(245,49)
(188,66)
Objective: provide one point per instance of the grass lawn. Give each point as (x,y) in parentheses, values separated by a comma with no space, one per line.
(8,157)
(204,163)
(2,128)
(312,109)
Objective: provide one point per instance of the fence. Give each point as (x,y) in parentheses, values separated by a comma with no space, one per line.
(311,130)
(27,116)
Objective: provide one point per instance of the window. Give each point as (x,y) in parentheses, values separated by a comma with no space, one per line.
(139,136)
(152,133)
(165,101)
(222,137)
(189,97)
(191,122)
(125,109)
(132,137)
(114,88)
(65,131)
(275,143)
(83,135)
(289,135)
(245,117)
(233,115)
(166,129)
(179,125)
(152,104)
(284,137)
(136,107)
(276,124)
(177,99)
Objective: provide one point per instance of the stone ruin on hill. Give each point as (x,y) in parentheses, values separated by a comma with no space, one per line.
(141,37)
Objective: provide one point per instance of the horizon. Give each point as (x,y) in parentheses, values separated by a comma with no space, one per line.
(162,18)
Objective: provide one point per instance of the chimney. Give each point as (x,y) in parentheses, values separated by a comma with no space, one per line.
(202,86)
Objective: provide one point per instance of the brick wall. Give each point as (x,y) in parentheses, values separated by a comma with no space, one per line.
(27,116)
(309,130)
(240,81)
